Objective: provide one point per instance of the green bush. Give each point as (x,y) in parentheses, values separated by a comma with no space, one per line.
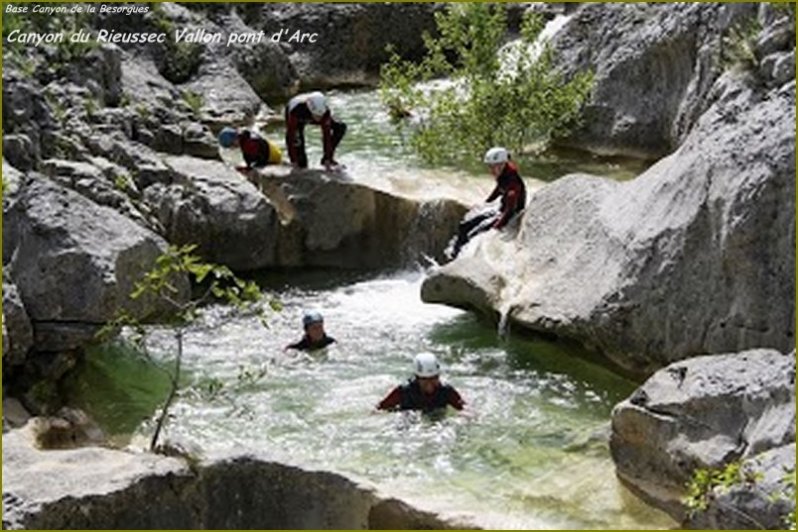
(516,101)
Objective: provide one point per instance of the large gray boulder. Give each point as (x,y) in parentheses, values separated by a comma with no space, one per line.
(694,256)
(95,488)
(329,220)
(654,66)
(213,206)
(75,263)
(703,413)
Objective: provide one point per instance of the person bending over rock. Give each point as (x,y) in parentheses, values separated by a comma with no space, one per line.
(305,109)
(257,151)
(315,337)
(509,187)
(425,391)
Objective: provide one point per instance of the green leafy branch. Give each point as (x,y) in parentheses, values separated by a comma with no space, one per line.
(472,91)
(218,284)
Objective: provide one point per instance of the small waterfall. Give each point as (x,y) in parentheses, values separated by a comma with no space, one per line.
(513,51)
(503,328)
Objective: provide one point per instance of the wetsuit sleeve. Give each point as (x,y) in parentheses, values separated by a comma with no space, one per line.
(392,400)
(455,400)
(495,194)
(326,135)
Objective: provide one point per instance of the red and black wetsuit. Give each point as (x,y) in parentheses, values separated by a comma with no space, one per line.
(306,345)
(410,397)
(254,149)
(297,115)
(512,190)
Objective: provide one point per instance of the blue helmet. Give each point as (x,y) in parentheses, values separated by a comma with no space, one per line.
(310,317)
(228,136)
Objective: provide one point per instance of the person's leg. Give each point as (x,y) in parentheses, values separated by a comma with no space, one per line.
(338,132)
(302,157)
(465,231)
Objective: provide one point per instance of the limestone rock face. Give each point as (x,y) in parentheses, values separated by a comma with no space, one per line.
(74,262)
(655,65)
(94,488)
(213,206)
(693,256)
(704,412)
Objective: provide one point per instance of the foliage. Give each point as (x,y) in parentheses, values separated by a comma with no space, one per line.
(220,284)
(707,483)
(739,45)
(496,96)
(180,60)
(194,100)
(65,52)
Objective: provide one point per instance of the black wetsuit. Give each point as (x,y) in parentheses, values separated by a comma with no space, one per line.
(306,345)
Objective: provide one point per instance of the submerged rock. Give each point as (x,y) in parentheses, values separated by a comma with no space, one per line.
(704,413)
(694,256)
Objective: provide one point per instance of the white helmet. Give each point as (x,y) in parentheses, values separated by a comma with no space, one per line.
(497,155)
(317,104)
(426,365)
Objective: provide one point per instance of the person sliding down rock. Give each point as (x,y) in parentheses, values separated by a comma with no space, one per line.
(509,186)
(257,151)
(305,109)
(424,391)
(315,337)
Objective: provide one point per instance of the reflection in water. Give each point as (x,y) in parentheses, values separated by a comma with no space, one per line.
(533,454)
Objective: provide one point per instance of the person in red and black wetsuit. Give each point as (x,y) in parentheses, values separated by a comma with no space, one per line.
(315,337)
(306,109)
(257,151)
(424,392)
(509,186)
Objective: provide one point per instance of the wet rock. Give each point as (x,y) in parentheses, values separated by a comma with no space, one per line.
(69,429)
(699,413)
(95,488)
(694,256)
(75,261)
(213,206)
(328,220)
(654,66)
